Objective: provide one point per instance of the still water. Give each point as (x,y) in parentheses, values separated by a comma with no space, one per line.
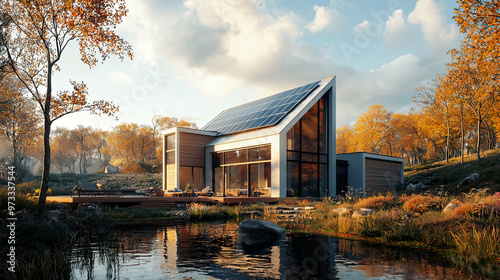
(212,251)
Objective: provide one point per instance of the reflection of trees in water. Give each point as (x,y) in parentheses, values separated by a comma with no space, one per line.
(213,248)
(103,249)
(378,260)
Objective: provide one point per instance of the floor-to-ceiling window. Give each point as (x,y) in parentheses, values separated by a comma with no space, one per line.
(307,153)
(170,161)
(244,172)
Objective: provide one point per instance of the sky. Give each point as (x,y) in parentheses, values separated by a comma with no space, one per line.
(195,58)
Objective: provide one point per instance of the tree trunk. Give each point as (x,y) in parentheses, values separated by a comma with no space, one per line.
(46,144)
(447,156)
(462,133)
(478,139)
(46,166)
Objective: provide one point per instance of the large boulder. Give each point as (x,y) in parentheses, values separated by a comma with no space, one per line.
(449,208)
(343,211)
(259,234)
(418,186)
(469,180)
(363,212)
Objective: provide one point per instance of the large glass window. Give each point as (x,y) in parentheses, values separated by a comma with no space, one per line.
(307,155)
(260,179)
(170,161)
(194,177)
(237,183)
(293,179)
(244,172)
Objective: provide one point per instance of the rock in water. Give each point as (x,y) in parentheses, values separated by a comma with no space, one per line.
(258,234)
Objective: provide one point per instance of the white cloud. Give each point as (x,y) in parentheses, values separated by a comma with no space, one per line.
(395,32)
(321,20)
(429,15)
(120,78)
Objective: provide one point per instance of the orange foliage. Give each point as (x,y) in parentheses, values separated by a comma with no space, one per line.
(375,202)
(133,167)
(419,203)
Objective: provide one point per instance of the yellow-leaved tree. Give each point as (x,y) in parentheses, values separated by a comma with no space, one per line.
(36,35)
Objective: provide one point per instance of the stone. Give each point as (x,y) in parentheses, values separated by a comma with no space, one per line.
(259,234)
(363,212)
(343,211)
(55,216)
(469,180)
(449,208)
(418,186)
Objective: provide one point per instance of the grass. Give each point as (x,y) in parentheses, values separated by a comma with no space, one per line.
(479,249)
(450,174)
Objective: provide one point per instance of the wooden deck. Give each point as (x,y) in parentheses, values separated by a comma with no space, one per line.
(155,201)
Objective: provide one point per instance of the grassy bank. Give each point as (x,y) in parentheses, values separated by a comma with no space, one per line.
(469,233)
(447,176)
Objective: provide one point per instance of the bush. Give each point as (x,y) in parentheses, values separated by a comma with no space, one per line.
(420,204)
(133,167)
(376,202)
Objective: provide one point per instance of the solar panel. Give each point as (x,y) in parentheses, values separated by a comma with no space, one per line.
(259,113)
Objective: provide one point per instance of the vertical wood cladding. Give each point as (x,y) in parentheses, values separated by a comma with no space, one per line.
(381,175)
(171,176)
(192,149)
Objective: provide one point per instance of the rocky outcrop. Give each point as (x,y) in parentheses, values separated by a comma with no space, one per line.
(258,234)
(363,212)
(469,180)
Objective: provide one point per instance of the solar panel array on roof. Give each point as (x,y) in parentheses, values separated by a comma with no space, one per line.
(263,112)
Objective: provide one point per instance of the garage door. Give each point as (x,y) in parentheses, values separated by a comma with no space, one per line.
(381,175)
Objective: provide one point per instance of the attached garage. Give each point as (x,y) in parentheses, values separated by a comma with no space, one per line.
(371,173)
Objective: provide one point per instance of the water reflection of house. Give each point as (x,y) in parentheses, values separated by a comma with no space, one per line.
(279,146)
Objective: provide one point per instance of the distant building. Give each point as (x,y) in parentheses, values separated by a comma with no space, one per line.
(279,146)
(372,174)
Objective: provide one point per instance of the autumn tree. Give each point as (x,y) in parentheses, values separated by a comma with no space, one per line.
(346,140)
(126,144)
(476,64)
(84,141)
(18,119)
(36,38)
(61,153)
(371,128)
(437,99)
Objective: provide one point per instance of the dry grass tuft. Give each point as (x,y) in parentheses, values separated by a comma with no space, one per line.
(376,202)
(420,204)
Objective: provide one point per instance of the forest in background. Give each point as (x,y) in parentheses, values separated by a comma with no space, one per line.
(457,113)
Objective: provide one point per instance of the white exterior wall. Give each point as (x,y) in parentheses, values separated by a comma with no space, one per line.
(355,171)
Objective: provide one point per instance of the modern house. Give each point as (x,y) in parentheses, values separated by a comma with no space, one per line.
(279,146)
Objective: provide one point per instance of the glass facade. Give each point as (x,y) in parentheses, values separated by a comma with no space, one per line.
(243,172)
(307,153)
(170,161)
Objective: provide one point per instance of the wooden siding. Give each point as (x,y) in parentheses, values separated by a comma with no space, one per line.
(381,175)
(171,176)
(192,149)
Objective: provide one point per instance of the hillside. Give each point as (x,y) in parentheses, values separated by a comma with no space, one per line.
(449,175)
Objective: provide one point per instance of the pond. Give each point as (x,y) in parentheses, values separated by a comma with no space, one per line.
(212,251)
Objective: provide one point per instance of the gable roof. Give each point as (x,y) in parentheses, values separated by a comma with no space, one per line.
(260,113)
